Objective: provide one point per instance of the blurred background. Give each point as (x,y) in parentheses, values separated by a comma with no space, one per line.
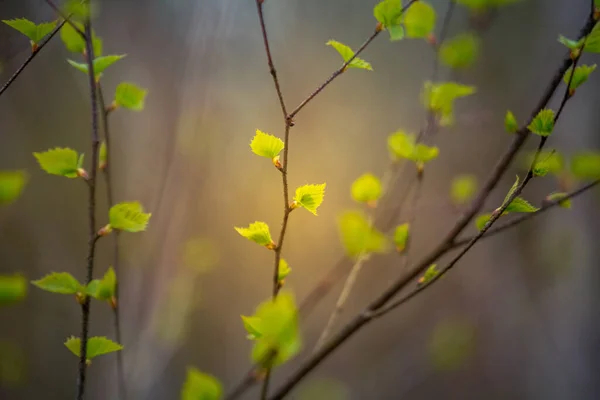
(518,318)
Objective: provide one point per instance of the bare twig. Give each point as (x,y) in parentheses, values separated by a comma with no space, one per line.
(66,18)
(34,53)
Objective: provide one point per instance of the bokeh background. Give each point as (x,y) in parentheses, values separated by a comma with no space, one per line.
(518,318)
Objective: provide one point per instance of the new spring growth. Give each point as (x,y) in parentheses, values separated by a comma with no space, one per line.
(82,173)
(105,231)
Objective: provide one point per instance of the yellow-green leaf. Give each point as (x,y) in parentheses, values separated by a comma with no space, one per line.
(566,203)
(309,197)
(582,73)
(543,123)
(259,233)
(429,275)
(521,205)
(103,289)
(266,145)
(284,270)
(11,185)
(358,236)
(201,386)
(60,161)
(96,346)
(389,14)
(35,32)
(419,20)
(347,53)
(401,145)
(13,288)
(102,155)
(75,43)
(510,122)
(252,326)
(547,162)
(130,96)
(440,97)
(100,64)
(460,51)
(59,282)
(401,235)
(463,188)
(481,220)
(129,217)
(586,165)
(366,189)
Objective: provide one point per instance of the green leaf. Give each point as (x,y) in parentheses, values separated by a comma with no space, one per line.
(424,154)
(389,14)
(75,43)
(557,196)
(102,155)
(252,326)
(481,220)
(59,282)
(79,9)
(277,323)
(439,98)
(521,205)
(310,197)
(103,289)
(347,53)
(100,64)
(96,346)
(367,189)
(284,270)
(419,20)
(401,235)
(130,96)
(547,162)
(201,386)
(12,289)
(401,145)
(460,51)
(463,188)
(586,165)
(266,145)
(358,236)
(581,75)
(481,5)
(429,275)
(129,217)
(60,161)
(570,44)
(259,233)
(34,32)
(512,190)
(510,123)
(592,42)
(543,123)
(11,185)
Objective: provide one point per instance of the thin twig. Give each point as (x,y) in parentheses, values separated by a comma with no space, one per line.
(66,18)
(34,53)
(364,317)
(85,307)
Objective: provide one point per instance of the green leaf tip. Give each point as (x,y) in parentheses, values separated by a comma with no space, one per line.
(259,233)
(35,32)
(367,189)
(463,187)
(401,235)
(100,63)
(13,288)
(419,20)
(347,53)
(460,51)
(440,97)
(201,386)
(129,95)
(309,197)
(59,282)
(11,185)
(358,236)
(129,217)
(96,346)
(543,123)
(266,145)
(61,161)
(510,122)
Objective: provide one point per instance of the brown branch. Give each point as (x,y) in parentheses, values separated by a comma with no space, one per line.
(34,53)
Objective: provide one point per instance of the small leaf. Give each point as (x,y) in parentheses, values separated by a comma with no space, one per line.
(59,282)
(201,386)
(34,32)
(543,123)
(401,145)
(130,96)
(252,326)
(419,20)
(284,270)
(512,190)
(401,235)
(96,346)
(510,123)
(366,189)
(259,233)
(586,165)
(592,42)
(439,98)
(102,155)
(266,145)
(424,154)
(59,161)
(521,205)
(566,203)
(129,217)
(463,188)
(431,273)
(11,185)
(570,44)
(481,220)
(582,74)
(547,162)
(103,289)
(358,236)
(389,14)
(347,53)
(75,43)
(100,64)
(310,197)
(13,288)
(460,51)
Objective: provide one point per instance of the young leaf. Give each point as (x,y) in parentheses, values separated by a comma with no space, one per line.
(429,275)
(401,235)
(130,96)
(440,98)
(59,282)
(481,220)
(521,205)
(460,51)
(129,217)
(581,75)
(75,43)
(366,189)
(358,236)
(34,32)
(510,123)
(11,185)
(12,289)
(201,386)
(571,44)
(284,270)
(547,162)
(259,233)
(96,346)
(543,123)
(347,53)
(424,154)
(566,203)
(102,155)
(60,161)
(389,14)
(419,20)
(401,145)
(100,64)
(586,165)
(512,190)
(266,145)
(463,188)
(592,42)
(252,326)
(277,322)
(103,289)
(310,197)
